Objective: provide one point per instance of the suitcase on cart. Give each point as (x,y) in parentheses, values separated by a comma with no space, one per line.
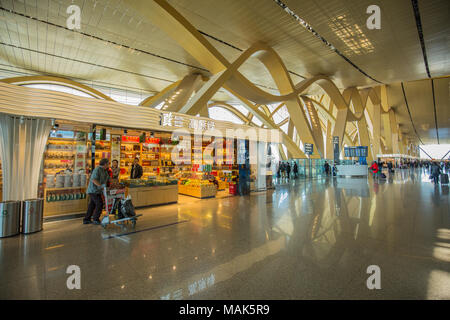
(444,178)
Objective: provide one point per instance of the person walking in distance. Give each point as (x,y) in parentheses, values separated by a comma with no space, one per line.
(295,170)
(435,172)
(99,179)
(288,170)
(327,168)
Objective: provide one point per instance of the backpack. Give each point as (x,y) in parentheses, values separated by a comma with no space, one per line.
(127,208)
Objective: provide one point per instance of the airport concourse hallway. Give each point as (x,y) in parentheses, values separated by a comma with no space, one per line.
(311,239)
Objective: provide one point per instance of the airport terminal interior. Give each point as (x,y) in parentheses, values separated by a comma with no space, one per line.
(224,150)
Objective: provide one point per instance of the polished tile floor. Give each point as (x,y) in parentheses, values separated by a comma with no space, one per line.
(310,239)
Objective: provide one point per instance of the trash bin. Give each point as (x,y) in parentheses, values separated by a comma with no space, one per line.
(9,218)
(32,215)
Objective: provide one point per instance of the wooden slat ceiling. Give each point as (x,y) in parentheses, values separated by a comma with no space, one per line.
(420,127)
(33,37)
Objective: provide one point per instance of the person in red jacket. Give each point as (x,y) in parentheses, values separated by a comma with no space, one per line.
(374,167)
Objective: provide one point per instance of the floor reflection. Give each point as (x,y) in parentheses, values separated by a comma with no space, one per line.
(304,240)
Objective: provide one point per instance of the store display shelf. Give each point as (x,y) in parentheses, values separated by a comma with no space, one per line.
(60,140)
(55,150)
(62,189)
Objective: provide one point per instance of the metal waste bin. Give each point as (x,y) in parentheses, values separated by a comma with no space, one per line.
(9,218)
(32,215)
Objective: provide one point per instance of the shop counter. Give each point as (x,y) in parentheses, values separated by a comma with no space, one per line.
(204,191)
(153,195)
(352,170)
(64,201)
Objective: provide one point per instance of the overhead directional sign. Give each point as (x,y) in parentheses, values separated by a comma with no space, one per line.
(336,148)
(309,148)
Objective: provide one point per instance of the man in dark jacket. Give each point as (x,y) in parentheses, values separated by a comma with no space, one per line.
(327,168)
(435,172)
(136,170)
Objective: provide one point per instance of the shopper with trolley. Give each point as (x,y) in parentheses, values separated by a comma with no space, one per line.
(99,179)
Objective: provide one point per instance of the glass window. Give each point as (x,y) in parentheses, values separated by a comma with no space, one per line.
(241,109)
(222,114)
(59,88)
(256,121)
(284,127)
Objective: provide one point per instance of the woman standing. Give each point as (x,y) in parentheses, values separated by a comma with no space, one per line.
(115,170)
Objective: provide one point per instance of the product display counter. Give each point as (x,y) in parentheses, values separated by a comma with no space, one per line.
(198,191)
(64,200)
(152,192)
(198,185)
(352,170)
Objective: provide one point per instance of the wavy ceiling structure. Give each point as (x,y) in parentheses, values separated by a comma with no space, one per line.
(351,104)
(367,109)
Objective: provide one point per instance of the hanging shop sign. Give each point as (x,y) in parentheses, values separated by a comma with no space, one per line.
(168,119)
(135,139)
(62,134)
(309,148)
(115,148)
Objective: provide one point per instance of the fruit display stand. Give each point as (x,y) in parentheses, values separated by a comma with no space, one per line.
(222,185)
(148,193)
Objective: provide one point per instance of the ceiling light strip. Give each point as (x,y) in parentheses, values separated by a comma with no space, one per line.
(308,27)
(415,6)
(409,112)
(434,106)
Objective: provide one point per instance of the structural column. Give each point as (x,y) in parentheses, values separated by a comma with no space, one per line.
(22,145)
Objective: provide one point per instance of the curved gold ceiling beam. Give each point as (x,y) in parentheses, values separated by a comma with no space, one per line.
(156,99)
(277,108)
(226,74)
(59,81)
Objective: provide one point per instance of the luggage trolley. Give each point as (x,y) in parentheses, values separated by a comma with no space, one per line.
(112,204)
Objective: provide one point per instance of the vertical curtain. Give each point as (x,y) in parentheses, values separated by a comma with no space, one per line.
(22,144)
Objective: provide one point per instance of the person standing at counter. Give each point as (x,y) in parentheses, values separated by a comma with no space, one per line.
(136,170)
(115,170)
(97,182)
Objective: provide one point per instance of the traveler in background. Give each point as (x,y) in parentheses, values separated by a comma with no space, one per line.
(99,179)
(295,170)
(327,168)
(288,170)
(374,167)
(279,172)
(136,170)
(435,172)
(283,169)
(390,169)
(335,170)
